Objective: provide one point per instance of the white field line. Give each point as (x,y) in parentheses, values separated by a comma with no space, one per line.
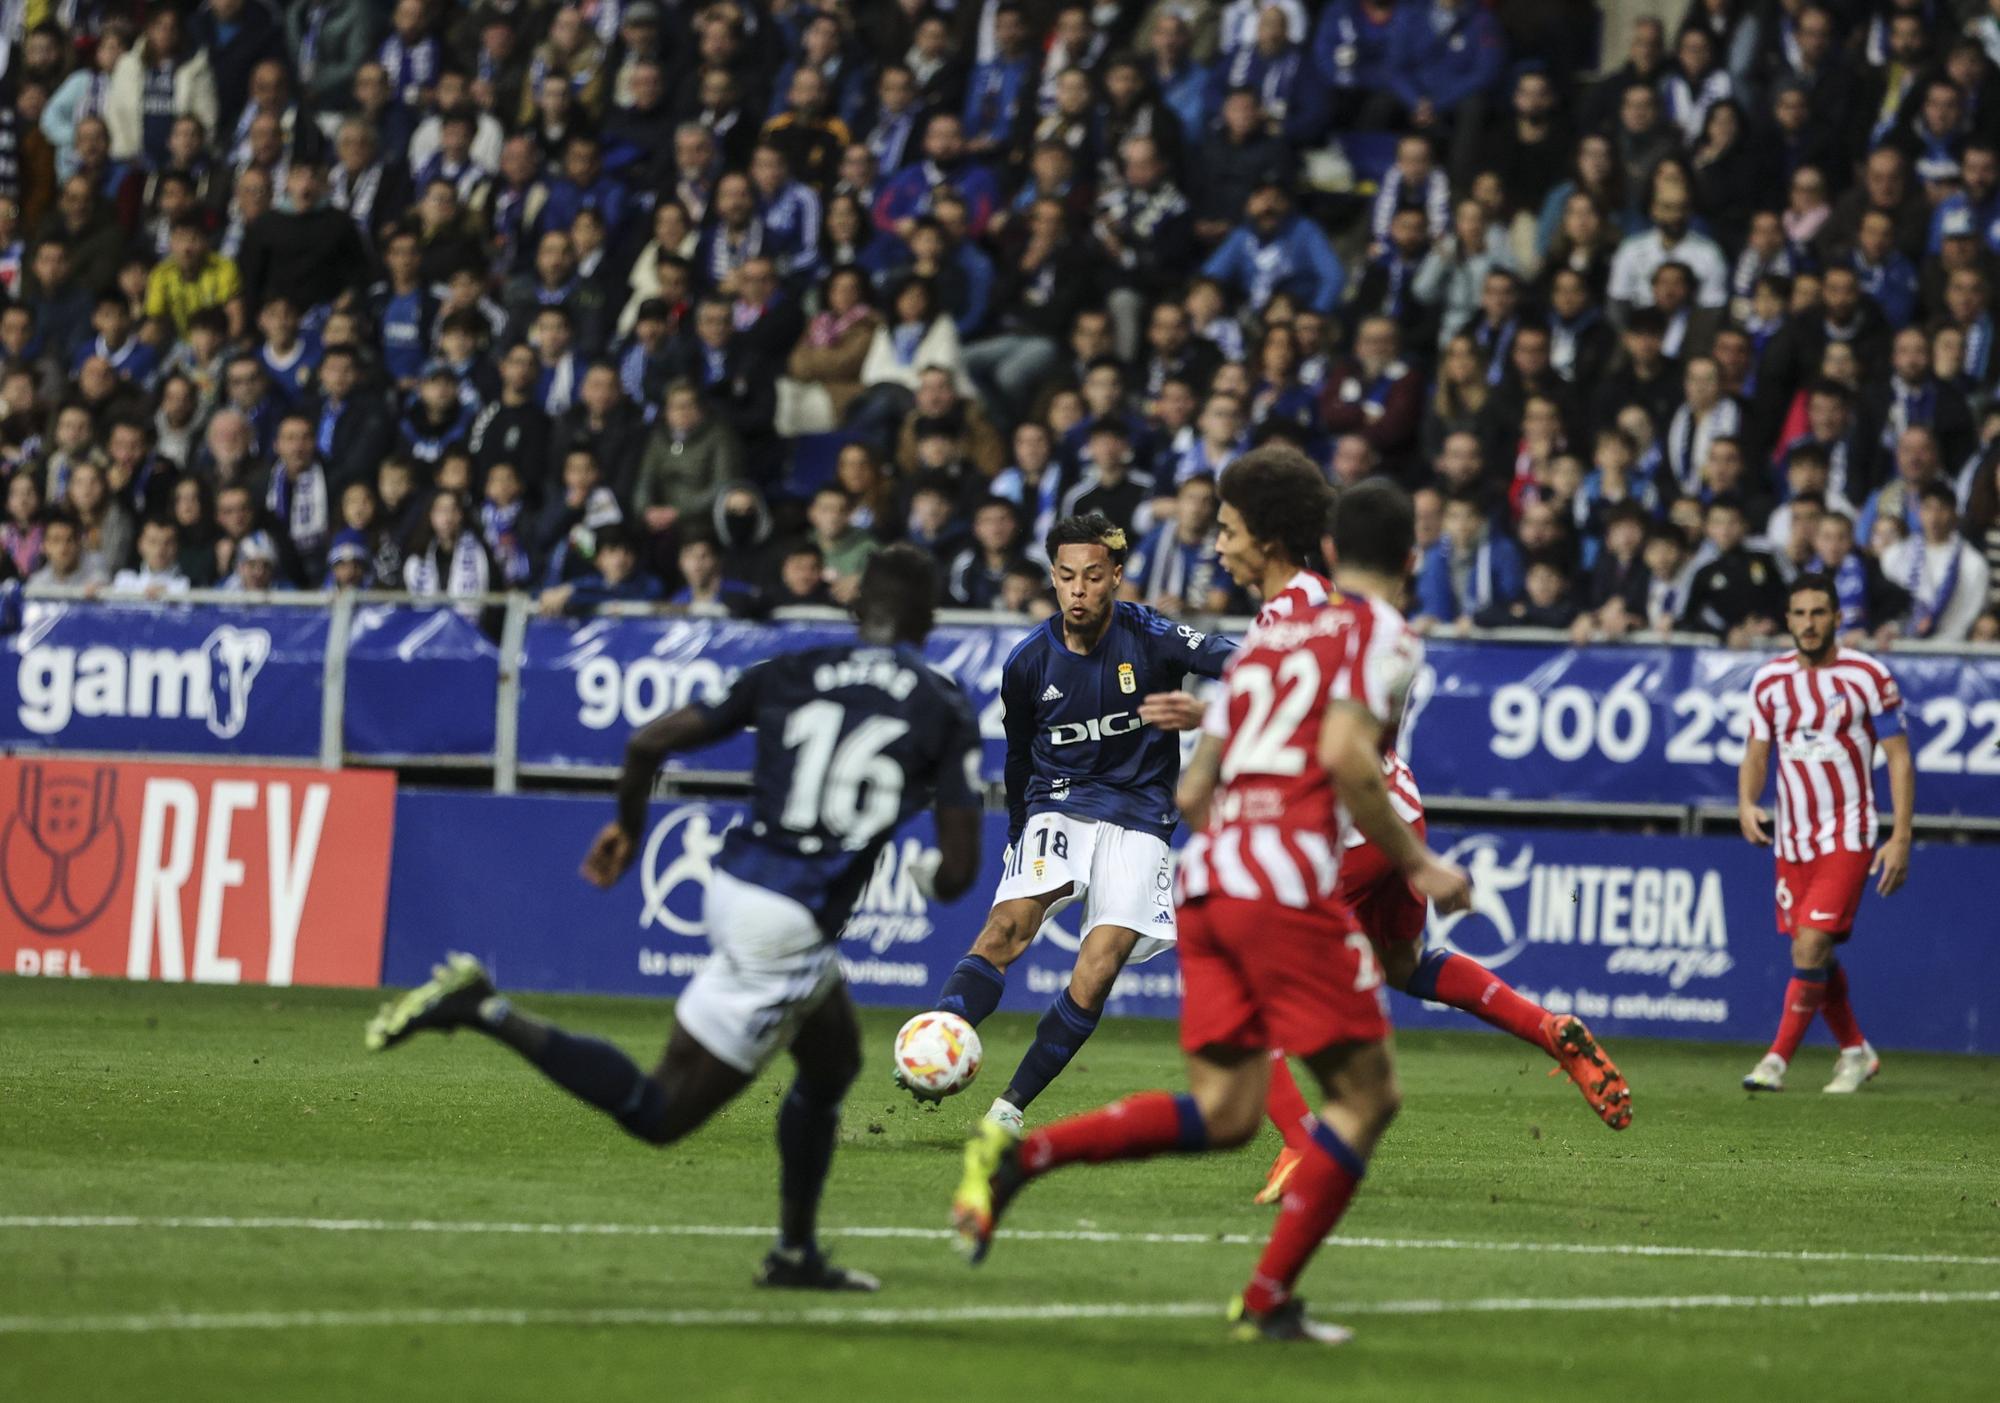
(1393,1244)
(173,1321)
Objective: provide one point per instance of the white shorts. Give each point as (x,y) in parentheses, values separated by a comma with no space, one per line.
(1122,877)
(768,969)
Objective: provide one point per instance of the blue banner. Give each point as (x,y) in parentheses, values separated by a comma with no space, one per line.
(1664,725)
(1646,936)
(586,687)
(419,682)
(165,679)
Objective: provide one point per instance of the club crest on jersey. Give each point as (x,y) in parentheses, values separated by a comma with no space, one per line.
(1128,681)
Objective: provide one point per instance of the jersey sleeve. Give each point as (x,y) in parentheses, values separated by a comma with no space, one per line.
(1388,661)
(1186,649)
(959,778)
(1760,718)
(737,707)
(1886,705)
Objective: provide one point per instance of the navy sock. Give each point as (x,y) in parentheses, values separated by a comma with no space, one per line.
(973,990)
(593,1070)
(1424,978)
(1061,1032)
(807,1129)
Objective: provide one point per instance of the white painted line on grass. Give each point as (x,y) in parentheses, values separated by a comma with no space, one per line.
(174,1321)
(1394,1244)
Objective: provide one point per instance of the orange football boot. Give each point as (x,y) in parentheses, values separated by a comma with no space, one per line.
(1282,1169)
(1583,1059)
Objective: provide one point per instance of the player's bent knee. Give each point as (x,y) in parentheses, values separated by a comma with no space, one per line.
(1399,960)
(651,1116)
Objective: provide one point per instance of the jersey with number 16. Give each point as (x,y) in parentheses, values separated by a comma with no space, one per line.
(851,741)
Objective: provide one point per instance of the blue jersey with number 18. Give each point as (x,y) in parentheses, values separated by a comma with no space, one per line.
(852,739)
(1075,743)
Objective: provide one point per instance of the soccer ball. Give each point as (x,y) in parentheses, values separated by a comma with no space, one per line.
(937,1054)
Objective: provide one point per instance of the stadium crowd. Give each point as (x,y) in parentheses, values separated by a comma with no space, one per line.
(661,300)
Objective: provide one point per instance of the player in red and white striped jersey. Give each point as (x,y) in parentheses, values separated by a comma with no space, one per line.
(1824,709)
(1270,956)
(1392,915)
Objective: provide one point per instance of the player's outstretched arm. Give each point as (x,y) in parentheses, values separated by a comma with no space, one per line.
(618,841)
(1350,749)
(1892,859)
(1198,781)
(958,853)
(1750,788)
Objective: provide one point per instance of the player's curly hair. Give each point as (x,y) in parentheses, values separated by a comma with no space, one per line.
(1089,529)
(1282,497)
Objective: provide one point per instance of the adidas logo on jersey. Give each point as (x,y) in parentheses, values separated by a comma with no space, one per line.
(1052,694)
(1165,918)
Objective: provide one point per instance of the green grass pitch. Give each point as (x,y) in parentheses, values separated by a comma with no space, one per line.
(140,1103)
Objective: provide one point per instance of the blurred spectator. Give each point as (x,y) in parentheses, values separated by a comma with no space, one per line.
(64,560)
(702,580)
(1946,579)
(974,577)
(688,459)
(616,579)
(158,572)
(446,558)
(1174,568)
(1737,593)
(824,370)
(1468,571)
(844,547)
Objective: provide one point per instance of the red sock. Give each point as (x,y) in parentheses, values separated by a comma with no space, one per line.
(1138,1127)
(1466,984)
(1839,1014)
(1803,998)
(1314,1200)
(1286,1108)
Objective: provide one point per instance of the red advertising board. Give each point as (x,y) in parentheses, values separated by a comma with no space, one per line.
(211,874)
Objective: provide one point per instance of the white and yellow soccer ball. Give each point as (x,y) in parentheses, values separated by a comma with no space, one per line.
(937,1054)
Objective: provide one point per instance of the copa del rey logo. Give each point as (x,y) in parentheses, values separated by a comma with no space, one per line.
(1666,921)
(679,858)
(58,684)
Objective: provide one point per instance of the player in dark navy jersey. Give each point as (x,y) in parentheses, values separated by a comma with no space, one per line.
(1092,700)
(852,739)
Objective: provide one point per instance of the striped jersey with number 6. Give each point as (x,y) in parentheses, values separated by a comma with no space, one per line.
(1823,724)
(1276,826)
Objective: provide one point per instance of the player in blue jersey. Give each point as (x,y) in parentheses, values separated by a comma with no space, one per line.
(852,739)
(1092,700)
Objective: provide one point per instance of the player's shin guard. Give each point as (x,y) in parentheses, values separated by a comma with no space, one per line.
(1445,978)
(1317,1195)
(1805,995)
(808,1126)
(973,990)
(1139,1127)
(1062,1031)
(595,1071)
(1837,1011)
(1286,1107)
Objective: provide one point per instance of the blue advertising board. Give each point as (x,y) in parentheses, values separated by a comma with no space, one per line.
(419,682)
(1648,936)
(585,687)
(164,679)
(1664,725)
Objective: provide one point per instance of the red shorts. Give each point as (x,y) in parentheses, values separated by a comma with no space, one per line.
(1259,975)
(1383,904)
(1822,893)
